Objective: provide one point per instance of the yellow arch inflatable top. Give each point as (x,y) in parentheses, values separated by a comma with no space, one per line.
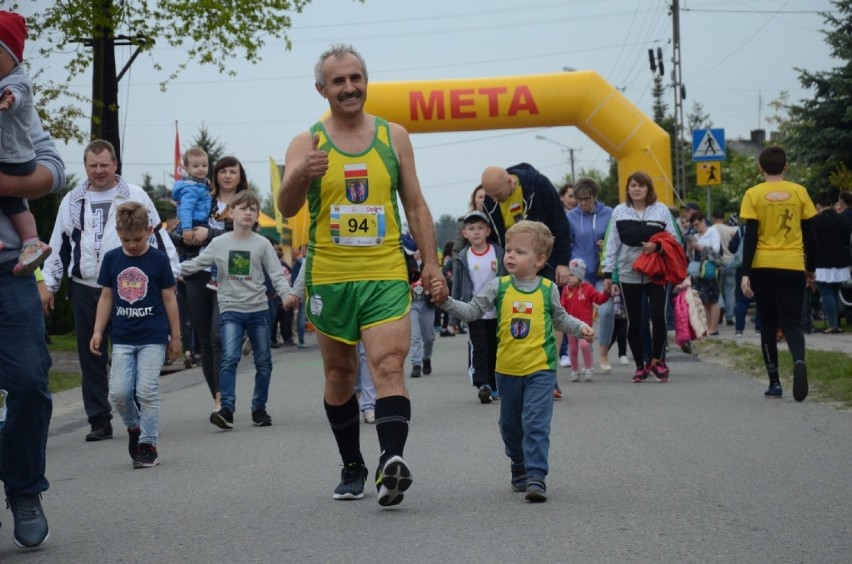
(580,98)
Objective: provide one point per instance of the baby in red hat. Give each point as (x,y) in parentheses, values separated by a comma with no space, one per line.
(17,157)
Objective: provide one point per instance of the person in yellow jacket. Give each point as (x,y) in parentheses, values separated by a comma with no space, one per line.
(528,310)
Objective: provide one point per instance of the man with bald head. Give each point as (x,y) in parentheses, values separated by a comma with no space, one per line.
(522,192)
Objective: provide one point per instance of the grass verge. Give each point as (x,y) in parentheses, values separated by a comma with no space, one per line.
(829,373)
(60,381)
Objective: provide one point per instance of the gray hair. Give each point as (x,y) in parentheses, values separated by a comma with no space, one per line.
(588,185)
(337,51)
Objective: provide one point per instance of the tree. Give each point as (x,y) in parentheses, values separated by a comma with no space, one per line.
(446,229)
(211,145)
(209,32)
(820,128)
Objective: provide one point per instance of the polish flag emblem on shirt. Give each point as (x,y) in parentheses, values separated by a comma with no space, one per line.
(522,307)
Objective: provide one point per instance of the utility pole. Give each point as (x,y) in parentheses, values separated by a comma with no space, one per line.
(105,123)
(569,150)
(679,96)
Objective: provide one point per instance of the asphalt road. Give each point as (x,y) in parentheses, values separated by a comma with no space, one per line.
(702,469)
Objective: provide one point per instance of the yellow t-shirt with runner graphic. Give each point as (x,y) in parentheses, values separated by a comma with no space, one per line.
(779,208)
(355,227)
(525,337)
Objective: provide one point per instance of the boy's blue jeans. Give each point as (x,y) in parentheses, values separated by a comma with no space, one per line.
(526,409)
(134,387)
(232,326)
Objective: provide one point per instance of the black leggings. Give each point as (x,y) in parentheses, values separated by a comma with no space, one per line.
(779,295)
(633,294)
(204,311)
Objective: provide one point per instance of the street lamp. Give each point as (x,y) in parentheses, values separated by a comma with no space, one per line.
(565,148)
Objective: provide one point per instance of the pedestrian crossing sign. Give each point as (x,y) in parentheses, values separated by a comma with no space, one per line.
(708,145)
(708,174)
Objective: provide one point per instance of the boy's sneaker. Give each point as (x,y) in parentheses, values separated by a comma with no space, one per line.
(427,366)
(640,375)
(660,371)
(774,390)
(536,491)
(212,284)
(353,476)
(564,361)
(392,479)
(32,256)
(484,393)
(369,417)
(133,441)
(519,478)
(574,376)
(223,418)
(415,371)
(187,361)
(800,380)
(259,418)
(31,528)
(146,457)
(588,374)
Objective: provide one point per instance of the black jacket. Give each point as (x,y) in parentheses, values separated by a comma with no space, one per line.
(542,203)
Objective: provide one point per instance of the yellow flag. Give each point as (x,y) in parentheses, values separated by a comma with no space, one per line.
(275,180)
(300,222)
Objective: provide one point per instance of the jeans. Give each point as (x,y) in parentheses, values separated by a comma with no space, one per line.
(300,323)
(364,381)
(134,387)
(829,292)
(232,326)
(726,287)
(24,363)
(94,369)
(526,409)
(422,335)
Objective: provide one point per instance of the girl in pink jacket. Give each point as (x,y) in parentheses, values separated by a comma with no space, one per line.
(578,299)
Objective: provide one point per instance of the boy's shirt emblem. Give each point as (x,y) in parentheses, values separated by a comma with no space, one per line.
(522,307)
(520,328)
(132,285)
(356,182)
(239,264)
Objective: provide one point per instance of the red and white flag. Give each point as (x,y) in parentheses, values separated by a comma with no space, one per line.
(178,169)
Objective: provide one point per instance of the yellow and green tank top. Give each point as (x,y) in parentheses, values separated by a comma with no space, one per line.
(525,338)
(355,227)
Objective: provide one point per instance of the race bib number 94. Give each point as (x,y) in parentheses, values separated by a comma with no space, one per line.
(358,226)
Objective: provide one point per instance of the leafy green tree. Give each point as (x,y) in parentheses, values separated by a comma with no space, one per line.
(446,229)
(214,148)
(819,131)
(205,32)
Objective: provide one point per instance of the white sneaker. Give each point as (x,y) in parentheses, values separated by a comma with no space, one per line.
(587,374)
(623,360)
(606,368)
(564,361)
(369,416)
(575,376)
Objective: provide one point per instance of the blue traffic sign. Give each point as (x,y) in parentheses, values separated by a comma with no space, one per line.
(708,145)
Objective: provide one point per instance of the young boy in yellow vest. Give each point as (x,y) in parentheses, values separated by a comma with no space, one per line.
(528,311)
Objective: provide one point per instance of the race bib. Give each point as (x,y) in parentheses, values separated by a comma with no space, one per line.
(358,226)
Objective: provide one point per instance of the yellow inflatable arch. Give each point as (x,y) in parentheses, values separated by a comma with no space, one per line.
(579,98)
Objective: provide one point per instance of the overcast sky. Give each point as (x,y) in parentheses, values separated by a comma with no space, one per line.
(737,57)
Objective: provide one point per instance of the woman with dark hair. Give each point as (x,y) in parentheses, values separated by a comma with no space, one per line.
(631,227)
(229,178)
(832,259)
